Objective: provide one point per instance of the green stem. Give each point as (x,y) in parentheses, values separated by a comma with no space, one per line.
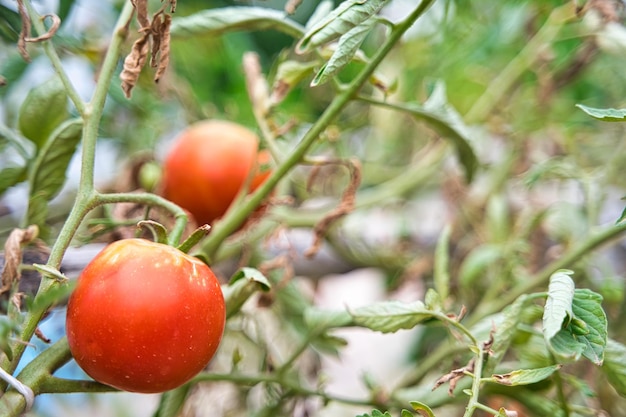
(234,218)
(568,260)
(476,382)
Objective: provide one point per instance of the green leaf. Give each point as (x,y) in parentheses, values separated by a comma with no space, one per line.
(348,45)
(391,316)
(215,22)
(586,334)
(349,14)
(441,271)
(614,366)
(10,24)
(477,262)
(320,12)
(442,117)
(43,110)
(606,115)
(47,174)
(65,7)
(320,320)
(288,75)
(243,284)
(505,331)
(12,68)
(525,376)
(406,413)
(171,403)
(559,303)
(11,176)
(376,413)
(422,409)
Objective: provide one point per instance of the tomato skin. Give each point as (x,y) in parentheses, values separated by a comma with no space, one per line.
(144,316)
(207,166)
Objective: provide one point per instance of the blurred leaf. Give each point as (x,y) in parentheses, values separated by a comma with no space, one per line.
(172,402)
(65,7)
(43,110)
(11,68)
(320,12)
(243,284)
(605,115)
(48,172)
(348,45)
(622,217)
(215,22)
(320,320)
(476,263)
(348,15)
(614,366)
(11,176)
(525,376)
(391,316)
(288,75)
(505,331)
(10,24)
(376,413)
(422,409)
(441,271)
(558,304)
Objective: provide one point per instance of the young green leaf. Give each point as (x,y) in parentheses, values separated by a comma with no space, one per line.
(525,376)
(376,413)
(243,284)
(587,308)
(346,16)
(606,115)
(11,176)
(43,110)
(391,316)
(222,20)
(422,409)
(559,303)
(348,45)
(47,174)
(614,366)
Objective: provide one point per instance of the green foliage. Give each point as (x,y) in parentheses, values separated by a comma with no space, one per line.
(605,115)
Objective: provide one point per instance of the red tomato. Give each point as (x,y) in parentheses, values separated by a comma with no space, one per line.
(207,166)
(145,317)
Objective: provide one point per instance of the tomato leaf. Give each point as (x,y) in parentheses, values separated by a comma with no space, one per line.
(348,15)
(320,320)
(47,175)
(376,413)
(43,110)
(605,115)
(288,75)
(10,24)
(525,376)
(172,402)
(614,366)
(243,284)
(558,306)
(348,45)
(11,176)
(505,331)
(391,316)
(422,409)
(216,22)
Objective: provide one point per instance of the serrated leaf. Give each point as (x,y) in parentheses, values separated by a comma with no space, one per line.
(558,306)
(525,376)
(588,339)
(614,366)
(172,402)
(215,22)
(48,173)
(391,316)
(605,115)
(422,409)
(43,110)
(342,19)
(347,47)
(444,119)
(441,272)
(11,176)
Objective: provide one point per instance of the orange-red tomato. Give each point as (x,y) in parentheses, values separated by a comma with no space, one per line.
(144,316)
(208,165)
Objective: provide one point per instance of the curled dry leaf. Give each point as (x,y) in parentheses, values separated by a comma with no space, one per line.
(25,30)
(345,206)
(13,255)
(134,62)
(164,46)
(454,376)
(56,23)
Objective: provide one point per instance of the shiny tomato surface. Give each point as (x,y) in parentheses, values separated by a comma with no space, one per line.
(208,165)
(144,316)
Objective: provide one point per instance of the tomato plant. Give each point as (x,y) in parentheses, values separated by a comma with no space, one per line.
(145,317)
(209,164)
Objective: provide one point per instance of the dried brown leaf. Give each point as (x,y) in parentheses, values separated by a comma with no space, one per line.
(345,206)
(25,30)
(292,5)
(454,376)
(13,255)
(134,62)
(164,47)
(56,23)
(141,6)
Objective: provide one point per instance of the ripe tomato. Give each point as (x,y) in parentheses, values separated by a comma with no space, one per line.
(208,165)
(144,316)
